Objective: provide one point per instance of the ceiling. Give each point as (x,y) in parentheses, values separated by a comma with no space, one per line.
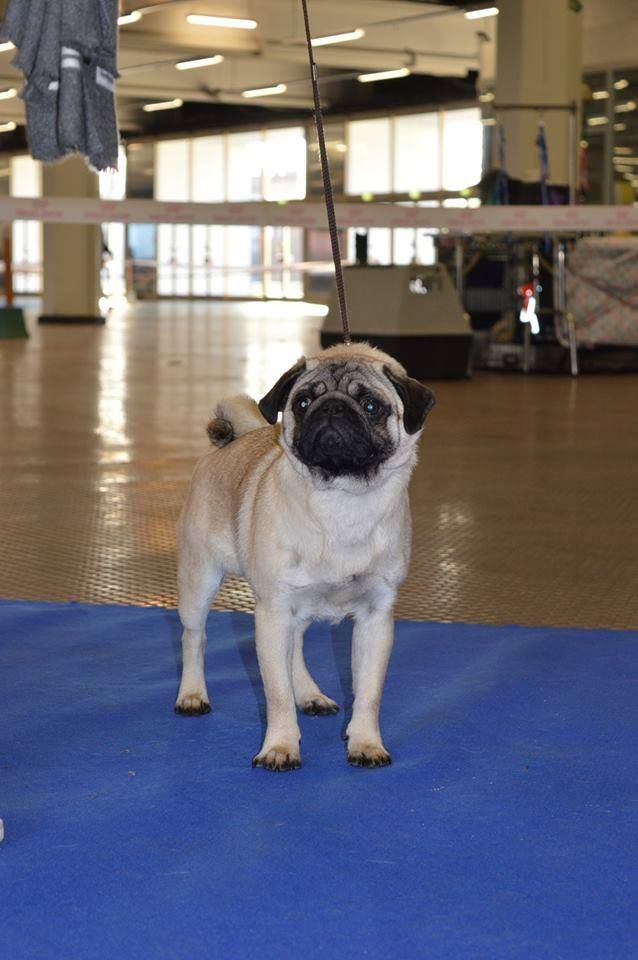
(443,51)
(434,40)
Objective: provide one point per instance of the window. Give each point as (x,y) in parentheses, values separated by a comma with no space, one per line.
(417,154)
(112,185)
(26,181)
(215,260)
(379,245)
(284,170)
(462,148)
(415,246)
(208,259)
(420,152)
(172,182)
(368,162)
(283,246)
(172,170)
(440,150)
(208,173)
(284,178)
(208,185)
(245,162)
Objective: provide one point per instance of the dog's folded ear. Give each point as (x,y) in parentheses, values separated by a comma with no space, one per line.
(417,400)
(275,399)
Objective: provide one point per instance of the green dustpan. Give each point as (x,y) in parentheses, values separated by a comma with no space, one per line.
(12,323)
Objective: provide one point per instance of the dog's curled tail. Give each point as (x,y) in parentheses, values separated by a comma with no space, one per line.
(233,418)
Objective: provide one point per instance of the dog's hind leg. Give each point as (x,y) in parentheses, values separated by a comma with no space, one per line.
(274,631)
(198,580)
(308,696)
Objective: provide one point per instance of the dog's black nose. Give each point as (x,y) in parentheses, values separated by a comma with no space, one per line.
(333,407)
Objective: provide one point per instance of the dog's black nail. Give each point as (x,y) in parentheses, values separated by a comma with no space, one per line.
(315,708)
(363,760)
(199,711)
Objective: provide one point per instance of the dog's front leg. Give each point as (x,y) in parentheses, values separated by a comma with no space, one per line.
(274,634)
(308,696)
(372,639)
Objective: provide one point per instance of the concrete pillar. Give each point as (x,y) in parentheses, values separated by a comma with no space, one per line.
(72,253)
(539,61)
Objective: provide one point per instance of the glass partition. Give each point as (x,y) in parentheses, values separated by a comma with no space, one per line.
(369,157)
(462,148)
(217,260)
(415,153)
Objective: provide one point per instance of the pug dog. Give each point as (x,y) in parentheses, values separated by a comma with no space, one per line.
(313,511)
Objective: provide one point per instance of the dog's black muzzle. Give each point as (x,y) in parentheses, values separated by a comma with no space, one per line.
(336,438)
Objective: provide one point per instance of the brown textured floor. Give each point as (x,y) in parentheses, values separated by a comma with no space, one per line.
(525,498)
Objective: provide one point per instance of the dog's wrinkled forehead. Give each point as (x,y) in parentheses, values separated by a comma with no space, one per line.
(351,377)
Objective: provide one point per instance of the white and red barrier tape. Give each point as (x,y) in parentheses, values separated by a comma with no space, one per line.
(312,215)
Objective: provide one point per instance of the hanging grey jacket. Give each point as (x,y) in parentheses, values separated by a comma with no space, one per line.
(67,50)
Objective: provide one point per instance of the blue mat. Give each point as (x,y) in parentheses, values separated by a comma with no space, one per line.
(506,827)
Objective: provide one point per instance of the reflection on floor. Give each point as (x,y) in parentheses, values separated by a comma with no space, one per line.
(524,499)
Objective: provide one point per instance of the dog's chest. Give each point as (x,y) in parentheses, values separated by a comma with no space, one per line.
(353,596)
(331,579)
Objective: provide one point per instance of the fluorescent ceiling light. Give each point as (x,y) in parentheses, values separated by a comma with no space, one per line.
(203,20)
(625,107)
(131,17)
(265,91)
(596,121)
(338,38)
(8,94)
(620,127)
(163,105)
(479,14)
(600,95)
(6,46)
(626,151)
(7,127)
(383,75)
(621,84)
(202,62)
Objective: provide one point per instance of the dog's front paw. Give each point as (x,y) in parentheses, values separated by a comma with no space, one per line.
(367,754)
(278,758)
(319,706)
(192,705)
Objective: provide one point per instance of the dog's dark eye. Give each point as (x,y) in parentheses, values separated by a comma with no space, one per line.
(370,405)
(303,401)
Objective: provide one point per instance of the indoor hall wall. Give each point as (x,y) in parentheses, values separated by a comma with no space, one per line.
(433,151)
